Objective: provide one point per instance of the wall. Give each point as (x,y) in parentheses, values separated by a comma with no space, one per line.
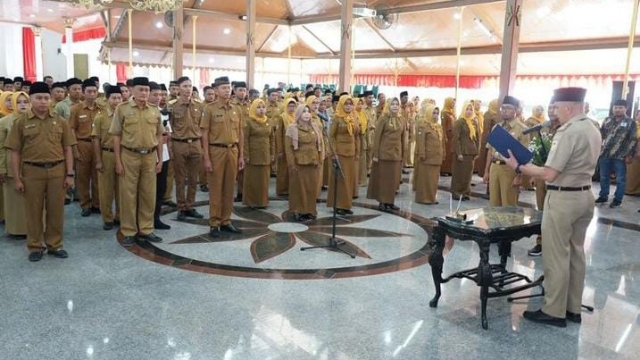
(11,63)
(53,60)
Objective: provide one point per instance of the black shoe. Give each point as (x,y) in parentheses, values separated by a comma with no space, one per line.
(193,213)
(67,201)
(347,212)
(238,198)
(393,207)
(95,210)
(182,215)
(17,237)
(128,241)
(297,217)
(542,318)
(341,212)
(466,198)
(405,171)
(159,225)
(169,203)
(116,222)
(85,212)
(150,238)
(230,228)
(601,200)
(35,256)
(354,197)
(382,207)
(615,203)
(107,226)
(574,318)
(204,188)
(214,232)
(60,253)
(325,187)
(535,251)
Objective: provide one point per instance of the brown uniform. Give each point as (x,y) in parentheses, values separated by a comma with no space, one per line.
(371,127)
(81,122)
(107,178)
(185,118)
(258,150)
(303,185)
(409,123)
(388,147)
(282,175)
(273,113)
(244,105)
(221,126)
(502,192)
(138,129)
(468,147)
(567,214)
(491,118)
(41,144)
(346,146)
(448,120)
(429,153)
(13,202)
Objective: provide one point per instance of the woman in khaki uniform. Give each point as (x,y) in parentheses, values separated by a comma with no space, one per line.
(464,149)
(448,117)
(388,155)
(304,149)
(258,154)
(345,138)
(633,169)
(283,121)
(314,104)
(361,178)
(478,166)
(490,118)
(6,109)
(15,222)
(429,152)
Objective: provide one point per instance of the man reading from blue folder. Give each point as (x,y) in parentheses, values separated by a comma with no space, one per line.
(504,183)
(568,207)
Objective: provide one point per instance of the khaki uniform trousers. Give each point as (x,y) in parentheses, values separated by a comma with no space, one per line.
(87,176)
(501,189)
(44,194)
(202,179)
(168,194)
(186,168)
(137,189)
(565,219)
(108,187)
(541,193)
(221,182)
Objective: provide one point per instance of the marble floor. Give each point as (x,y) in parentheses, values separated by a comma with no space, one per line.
(257,296)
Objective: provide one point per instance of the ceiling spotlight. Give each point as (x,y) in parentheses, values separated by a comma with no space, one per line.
(243,17)
(159,25)
(457,15)
(136,53)
(227,31)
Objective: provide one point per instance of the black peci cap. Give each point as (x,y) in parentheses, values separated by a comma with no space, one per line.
(112,90)
(140,81)
(39,87)
(88,83)
(73,81)
(223,80)
(510,100)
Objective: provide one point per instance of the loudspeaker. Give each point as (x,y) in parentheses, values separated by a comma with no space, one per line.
(617,95)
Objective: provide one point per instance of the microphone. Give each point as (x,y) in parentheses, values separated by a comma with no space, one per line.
(537,127)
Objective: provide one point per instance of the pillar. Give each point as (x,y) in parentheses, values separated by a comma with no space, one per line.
(37,32)
(68,33)
(511,41)
(345,46)
(178,42)
(251,48)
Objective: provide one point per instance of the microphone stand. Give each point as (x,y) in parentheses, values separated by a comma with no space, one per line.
(334,244)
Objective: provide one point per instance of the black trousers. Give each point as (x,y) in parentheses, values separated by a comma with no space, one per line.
(161,188)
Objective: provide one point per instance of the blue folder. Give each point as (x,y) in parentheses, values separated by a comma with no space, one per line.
(502,141)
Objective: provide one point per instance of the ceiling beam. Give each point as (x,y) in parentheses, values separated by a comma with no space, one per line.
(398,10)
(266,40)
(375,30)
(319,40)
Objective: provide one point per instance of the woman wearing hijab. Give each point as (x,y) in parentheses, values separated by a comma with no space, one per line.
(314,104)
(15,224)
(283,121)
(259,149)
(345,139)
(363,123)
(466,142)
(491,117)
(448,118)
(388,155)
(477,106)
(430,149)
(537,117)
(304,149)
(6,109)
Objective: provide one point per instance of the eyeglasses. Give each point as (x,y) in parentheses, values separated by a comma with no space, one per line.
(506,108)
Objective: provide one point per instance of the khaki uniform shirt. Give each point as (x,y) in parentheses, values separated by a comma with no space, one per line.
(515,128)
(81,120)
(574,152)
(258,142)
(307,152)
(430,143)
(40,140)
(273,111)
(390,138)
(222,122)
(138,127)
(63,108)
(372,118)
(6,123)
(185,118)
(463,144)
(345,144)
(101,126)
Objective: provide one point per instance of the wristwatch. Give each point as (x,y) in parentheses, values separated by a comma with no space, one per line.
(71,175)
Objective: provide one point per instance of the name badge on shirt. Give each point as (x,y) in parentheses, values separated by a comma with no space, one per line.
(30,126)
(624,124)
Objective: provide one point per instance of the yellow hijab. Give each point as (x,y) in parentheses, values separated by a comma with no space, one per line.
(394,121)
(541,118)
(253,111)
(494,106)
(288,118)
(449,106)
(362,117)
(4,110)
(469,120)
(348,118)
(427,114)
(309,101)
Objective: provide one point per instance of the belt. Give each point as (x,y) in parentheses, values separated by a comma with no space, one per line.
(107,149)
(499,162)
(85,140)
(568,188)
(46,165)
(190,140)
(141,151)
(228,146)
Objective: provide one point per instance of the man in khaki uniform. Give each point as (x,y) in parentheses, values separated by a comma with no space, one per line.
(57,94)
(137,139)
(74,90)
(568,208)
(174,90)
(105,158)
(370,110)
(404,114)
(40,144)
(223,137)
(81,122)
(185,114)
(504,184)
(168,175)
(239,99)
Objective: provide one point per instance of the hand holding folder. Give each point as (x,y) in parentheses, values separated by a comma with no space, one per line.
(502,141)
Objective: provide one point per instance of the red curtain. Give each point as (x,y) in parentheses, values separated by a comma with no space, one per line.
(204,77)
(88,34)
(29,54)
(121,72)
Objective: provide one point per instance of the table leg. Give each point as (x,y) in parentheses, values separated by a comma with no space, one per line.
(436,260)
(485,278)
(504,248)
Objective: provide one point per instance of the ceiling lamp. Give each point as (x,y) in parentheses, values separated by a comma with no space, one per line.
(157,6)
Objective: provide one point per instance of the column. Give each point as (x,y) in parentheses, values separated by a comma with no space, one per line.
(345,47)
(251,48)
(68,33)
(178,42)
(511,41)
(37,32)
